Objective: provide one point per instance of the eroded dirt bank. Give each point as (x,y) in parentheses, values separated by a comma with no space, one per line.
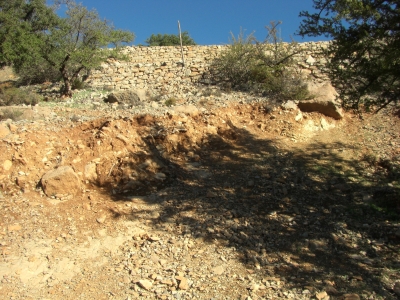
(194,202)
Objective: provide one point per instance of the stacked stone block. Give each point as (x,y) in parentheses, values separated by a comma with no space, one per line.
(161,68)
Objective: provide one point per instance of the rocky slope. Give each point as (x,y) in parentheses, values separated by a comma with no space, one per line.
(218,197)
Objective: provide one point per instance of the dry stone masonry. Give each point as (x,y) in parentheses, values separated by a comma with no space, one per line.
(161,69)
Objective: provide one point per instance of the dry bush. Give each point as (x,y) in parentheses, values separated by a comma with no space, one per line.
(17,96)
(267,68)
(11,113)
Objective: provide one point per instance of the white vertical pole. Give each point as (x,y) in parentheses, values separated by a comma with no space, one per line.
(180,37)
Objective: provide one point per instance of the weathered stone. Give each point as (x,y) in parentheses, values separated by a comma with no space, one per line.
(322,295)
(183,282)
(21,181)
(61,181)
(7,165)
(146,284)
(90,172)
(324,101)
(13,127)
(4,131)
(101,219)
(325,125)
(289,105)
(219,270)
(310,60)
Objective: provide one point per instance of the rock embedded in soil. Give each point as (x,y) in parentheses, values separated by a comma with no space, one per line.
(219,270)
(61,182)
(4,131)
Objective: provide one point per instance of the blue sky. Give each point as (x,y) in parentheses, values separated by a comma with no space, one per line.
(209,22)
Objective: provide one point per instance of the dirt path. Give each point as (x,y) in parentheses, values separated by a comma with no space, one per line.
(229,203)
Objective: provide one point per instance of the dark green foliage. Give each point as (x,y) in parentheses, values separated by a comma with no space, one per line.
(364,56)
(267,68)
(22,27)
(33,36)
(170,40)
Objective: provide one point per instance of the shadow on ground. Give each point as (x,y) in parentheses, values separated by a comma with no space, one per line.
(313,215)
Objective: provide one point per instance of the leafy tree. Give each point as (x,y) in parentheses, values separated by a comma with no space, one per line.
(76,44)
(69,45)
(364,55)
(170,40)
(22,26)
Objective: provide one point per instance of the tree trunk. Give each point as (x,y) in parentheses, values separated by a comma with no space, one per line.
(67,90)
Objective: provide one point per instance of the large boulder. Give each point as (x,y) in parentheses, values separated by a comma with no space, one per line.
(61,182)
(324,101)
(128,97)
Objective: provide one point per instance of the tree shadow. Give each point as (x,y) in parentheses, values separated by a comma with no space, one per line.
(307,215)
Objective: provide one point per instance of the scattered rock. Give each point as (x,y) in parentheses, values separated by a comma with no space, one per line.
(289,105)
(101,219)
(146,284)
(183,282)
(322,296)
(154,238)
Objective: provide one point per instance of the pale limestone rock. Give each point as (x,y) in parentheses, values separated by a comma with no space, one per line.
(324,101)
(91,172)
(146,284)
(4,131)
(7,165)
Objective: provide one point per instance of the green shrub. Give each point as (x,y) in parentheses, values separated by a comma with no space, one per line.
(13,114)
(170,102)
(236,63)
(17,96)
(267,68)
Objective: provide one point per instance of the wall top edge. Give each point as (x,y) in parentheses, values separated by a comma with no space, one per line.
(206,46)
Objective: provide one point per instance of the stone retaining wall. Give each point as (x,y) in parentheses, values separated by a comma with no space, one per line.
(160,68)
